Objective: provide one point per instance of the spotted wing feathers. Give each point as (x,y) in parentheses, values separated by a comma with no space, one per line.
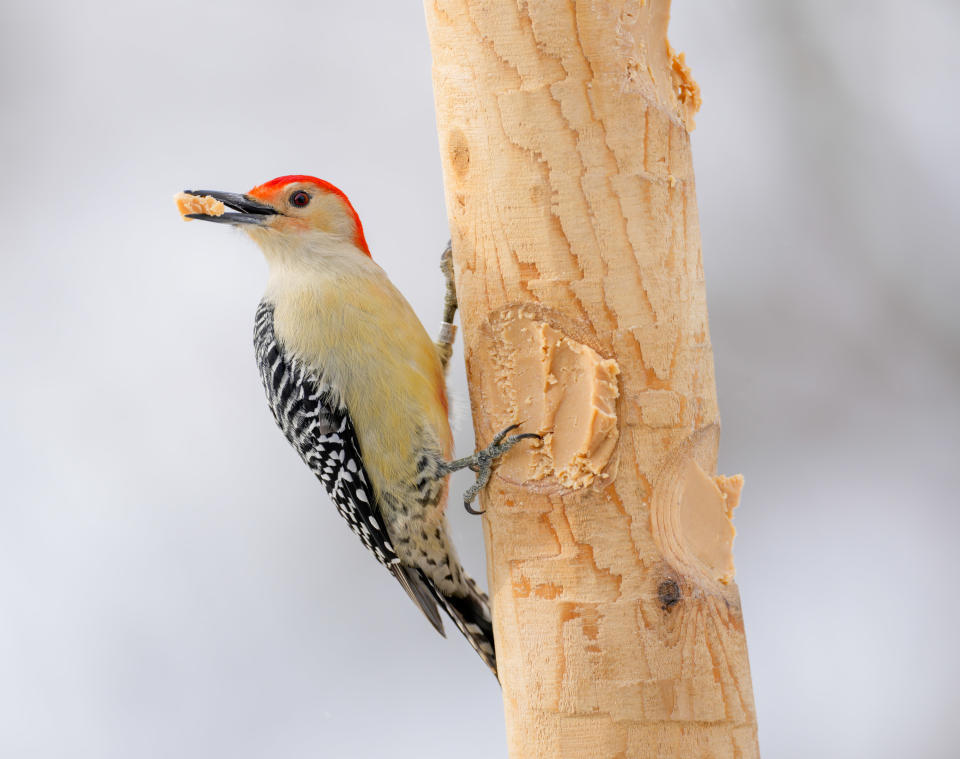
(319,427)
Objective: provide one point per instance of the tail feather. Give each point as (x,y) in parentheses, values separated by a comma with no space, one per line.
(470,611)
(422,593)
(471,614)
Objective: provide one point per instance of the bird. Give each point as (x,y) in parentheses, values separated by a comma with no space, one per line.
(358,388)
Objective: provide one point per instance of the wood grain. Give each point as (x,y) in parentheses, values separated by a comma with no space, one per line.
(564,138)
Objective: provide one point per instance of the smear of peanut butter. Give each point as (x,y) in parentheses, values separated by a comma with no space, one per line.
(705,510)
(560,388)
(691,512)
(687,89)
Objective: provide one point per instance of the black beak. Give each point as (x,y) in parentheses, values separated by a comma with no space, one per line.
(250,211)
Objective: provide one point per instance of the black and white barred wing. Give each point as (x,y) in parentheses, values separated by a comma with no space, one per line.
(319,427)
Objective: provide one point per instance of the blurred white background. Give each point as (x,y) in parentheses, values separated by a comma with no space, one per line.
(173,582)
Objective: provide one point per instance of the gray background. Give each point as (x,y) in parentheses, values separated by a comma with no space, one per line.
(172,580)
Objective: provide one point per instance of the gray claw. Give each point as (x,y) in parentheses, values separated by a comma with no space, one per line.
(483,477)
(483,460)
(498,438)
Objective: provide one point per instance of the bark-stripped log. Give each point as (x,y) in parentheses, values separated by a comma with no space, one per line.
(564,137)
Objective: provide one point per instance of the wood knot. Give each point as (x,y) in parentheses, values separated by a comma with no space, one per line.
(459,153)
(669,593)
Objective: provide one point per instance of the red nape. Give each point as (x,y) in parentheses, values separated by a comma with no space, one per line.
(274,184)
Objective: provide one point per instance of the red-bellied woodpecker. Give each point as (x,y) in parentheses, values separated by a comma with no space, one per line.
(357,387)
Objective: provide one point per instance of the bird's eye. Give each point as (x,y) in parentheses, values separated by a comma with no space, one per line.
(299,198)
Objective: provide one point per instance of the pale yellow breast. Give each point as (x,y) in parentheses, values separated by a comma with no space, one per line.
(366,339)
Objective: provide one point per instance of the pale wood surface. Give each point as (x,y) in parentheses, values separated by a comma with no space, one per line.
(569,184)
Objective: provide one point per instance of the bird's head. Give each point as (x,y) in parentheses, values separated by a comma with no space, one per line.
(291,212)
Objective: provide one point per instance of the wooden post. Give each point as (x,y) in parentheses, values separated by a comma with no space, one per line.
(566,155)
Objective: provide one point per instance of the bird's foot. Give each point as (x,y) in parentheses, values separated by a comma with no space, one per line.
(483,460)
